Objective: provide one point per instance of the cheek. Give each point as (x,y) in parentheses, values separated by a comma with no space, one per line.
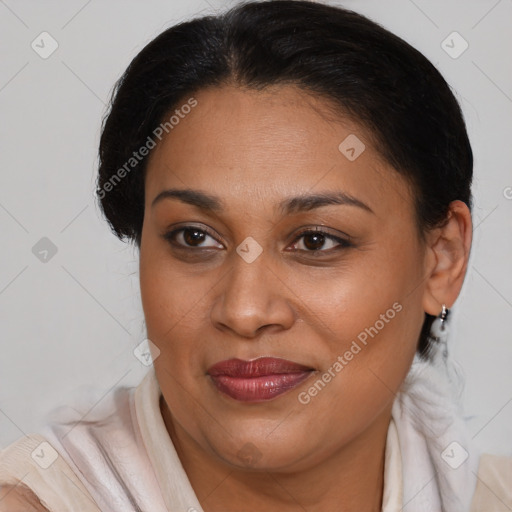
(176,315)
(363,370)
(372,316)
(168,296)
(367,292)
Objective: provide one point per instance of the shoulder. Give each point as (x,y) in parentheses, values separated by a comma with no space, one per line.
(95,455)
(34,477)
(19,498)
(493,491)
(29,454)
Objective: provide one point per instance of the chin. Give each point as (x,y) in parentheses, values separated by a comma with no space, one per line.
(260,452)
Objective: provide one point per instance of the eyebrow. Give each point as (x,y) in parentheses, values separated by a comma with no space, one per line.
(304,202)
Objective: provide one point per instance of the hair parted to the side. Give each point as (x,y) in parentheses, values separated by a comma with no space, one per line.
(365,71)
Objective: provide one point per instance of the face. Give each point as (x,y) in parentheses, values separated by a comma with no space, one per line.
(277,239)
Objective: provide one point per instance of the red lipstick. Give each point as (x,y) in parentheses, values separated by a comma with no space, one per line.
(259,379)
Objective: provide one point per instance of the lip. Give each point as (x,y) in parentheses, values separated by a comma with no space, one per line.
(257,380)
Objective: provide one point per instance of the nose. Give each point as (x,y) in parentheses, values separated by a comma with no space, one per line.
(252,299)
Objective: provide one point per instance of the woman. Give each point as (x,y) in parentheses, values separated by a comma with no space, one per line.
(298,183)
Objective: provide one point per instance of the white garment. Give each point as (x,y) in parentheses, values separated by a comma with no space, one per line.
(441,461)
(127,462)
(84,443)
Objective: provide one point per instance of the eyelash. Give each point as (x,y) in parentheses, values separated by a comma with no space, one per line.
(342,242)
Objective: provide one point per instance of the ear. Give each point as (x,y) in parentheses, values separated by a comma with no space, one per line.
(448,249)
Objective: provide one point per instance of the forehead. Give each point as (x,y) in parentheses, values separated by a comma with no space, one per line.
(240,143)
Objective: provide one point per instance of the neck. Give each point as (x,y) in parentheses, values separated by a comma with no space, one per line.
(350,478)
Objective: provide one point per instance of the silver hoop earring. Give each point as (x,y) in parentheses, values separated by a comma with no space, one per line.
(439,329)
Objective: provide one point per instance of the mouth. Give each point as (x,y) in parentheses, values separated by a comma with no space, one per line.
(257,380)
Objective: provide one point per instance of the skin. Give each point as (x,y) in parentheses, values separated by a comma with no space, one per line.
(19,498)
(253,150)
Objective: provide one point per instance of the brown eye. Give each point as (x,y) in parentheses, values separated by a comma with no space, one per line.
(193,236)
(314,240)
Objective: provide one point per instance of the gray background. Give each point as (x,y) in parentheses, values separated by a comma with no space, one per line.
(69,325)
